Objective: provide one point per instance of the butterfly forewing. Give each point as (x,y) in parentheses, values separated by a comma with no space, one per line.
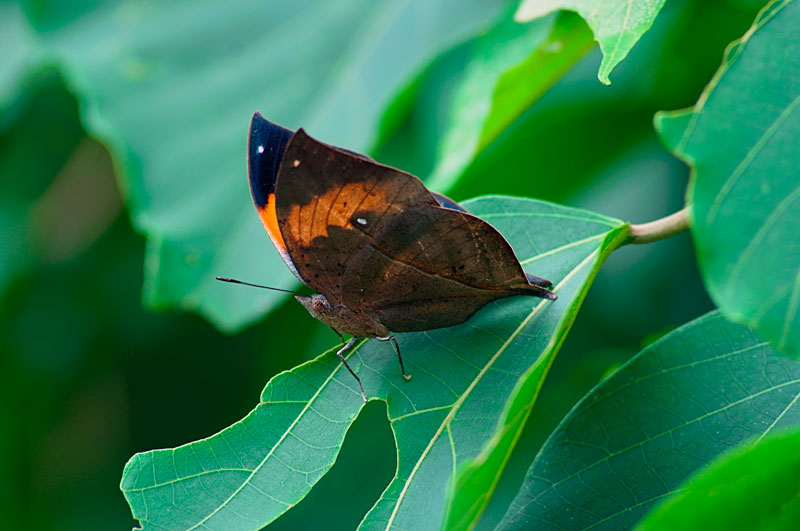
(267,143)
(373,240)
(330,204)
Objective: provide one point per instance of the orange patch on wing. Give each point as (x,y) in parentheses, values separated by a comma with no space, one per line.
(270,221)
(335,208)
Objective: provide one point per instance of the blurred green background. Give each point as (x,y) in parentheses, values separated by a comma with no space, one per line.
(88,376)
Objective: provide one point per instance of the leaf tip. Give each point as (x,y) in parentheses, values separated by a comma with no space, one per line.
(606,66)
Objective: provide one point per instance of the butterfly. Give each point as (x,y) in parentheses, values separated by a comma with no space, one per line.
(382,252)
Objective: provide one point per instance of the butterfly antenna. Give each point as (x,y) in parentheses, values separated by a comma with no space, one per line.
(234,281)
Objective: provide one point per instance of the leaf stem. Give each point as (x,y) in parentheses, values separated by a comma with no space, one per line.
(660,228)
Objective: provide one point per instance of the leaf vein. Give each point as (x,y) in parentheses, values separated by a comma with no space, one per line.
(278,443)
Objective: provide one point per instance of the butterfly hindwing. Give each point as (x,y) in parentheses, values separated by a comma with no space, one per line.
(432,267)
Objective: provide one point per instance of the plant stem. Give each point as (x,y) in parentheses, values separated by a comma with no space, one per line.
(660,228)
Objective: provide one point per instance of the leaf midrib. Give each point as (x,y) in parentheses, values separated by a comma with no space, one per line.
(456,406)
(622,30)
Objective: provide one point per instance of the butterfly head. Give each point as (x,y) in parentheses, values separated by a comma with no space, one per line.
(341,318)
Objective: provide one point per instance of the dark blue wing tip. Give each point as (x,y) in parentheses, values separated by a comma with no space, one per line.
(267,144)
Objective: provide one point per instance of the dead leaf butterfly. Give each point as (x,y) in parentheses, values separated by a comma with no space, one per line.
(383,253)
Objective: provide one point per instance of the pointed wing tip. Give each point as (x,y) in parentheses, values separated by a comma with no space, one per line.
(538,281)
(266,144)
(256,120)
(542,293)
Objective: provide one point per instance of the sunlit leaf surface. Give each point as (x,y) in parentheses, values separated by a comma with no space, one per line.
(617,24)
(510,67)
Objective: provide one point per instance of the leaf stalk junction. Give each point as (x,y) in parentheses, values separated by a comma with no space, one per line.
(660,228)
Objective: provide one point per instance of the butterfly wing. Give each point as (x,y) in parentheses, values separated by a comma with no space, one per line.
(372,237)
(267,143)
(433,267)
(331,203)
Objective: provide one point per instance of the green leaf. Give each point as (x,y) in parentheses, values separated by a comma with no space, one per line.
(171,86)
(472,385)
(741,141)
(26,199)
(755,487)
(632,441)
(617,24)
(509,68)
(18,43)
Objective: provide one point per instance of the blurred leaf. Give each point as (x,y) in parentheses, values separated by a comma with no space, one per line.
(637,436)
(465,379)
(755,487)
(579,127)
(19,52)
(81,204)
(510,67)
(170,86)
(617,24)
(26,175)
(741,140)
(536,155)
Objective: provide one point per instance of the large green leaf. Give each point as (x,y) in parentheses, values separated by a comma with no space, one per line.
(754,487)
(617,24)
(171,86)
(25,179)
(637,436)
(18,43)
(742,142)
(471,384)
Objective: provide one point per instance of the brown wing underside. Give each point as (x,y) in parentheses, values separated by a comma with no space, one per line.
(433,267)
(374,238)
(420,300)
(330,204)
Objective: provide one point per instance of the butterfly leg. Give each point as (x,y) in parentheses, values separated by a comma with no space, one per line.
(399,357)
(340,353)
(341,337)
